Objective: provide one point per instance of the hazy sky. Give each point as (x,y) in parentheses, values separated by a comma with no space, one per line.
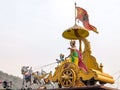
(31,32)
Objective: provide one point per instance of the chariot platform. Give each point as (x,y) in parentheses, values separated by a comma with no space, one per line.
(95,87)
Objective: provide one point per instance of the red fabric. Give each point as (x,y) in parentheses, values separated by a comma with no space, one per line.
(80,62)
(1,81)
(82,15)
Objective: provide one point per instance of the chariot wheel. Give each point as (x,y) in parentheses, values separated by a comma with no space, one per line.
(68,78)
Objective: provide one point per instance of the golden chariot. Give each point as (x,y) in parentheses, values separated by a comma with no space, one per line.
(67,74)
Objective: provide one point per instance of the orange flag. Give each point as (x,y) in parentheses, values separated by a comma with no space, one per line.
(82,15)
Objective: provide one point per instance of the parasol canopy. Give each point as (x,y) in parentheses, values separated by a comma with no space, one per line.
(75,33)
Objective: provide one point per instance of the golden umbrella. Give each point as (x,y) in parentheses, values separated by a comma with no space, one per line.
(76,33)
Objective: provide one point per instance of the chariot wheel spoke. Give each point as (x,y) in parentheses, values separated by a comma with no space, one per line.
(67,78)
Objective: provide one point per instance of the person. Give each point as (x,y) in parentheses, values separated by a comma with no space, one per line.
(30,71)
(5,84)
(73,54)
(76,56)
(61,58)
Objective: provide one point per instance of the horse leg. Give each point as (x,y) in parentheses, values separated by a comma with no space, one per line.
(52,84)
(23,84)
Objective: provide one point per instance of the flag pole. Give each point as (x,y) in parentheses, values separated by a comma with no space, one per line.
(75,13)
(80,41)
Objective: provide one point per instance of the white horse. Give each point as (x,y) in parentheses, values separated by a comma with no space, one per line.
(43,78)
(30,77)
(46,77)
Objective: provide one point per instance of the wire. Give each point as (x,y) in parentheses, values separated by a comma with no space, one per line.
(41,67)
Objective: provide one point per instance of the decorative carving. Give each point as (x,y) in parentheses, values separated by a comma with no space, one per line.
(88,59)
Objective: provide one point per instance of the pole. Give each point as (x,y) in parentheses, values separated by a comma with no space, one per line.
(80,42)
(75,13)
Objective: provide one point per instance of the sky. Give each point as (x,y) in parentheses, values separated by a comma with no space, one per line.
(31,32)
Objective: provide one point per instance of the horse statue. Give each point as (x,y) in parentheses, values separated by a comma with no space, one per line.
(39,78)
(44,79)
(28,78)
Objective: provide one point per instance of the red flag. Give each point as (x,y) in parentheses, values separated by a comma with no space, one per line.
(82,15)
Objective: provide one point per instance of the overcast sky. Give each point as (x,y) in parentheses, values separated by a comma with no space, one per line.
(31,32)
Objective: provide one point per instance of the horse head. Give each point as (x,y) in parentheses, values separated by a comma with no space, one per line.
(24,69)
